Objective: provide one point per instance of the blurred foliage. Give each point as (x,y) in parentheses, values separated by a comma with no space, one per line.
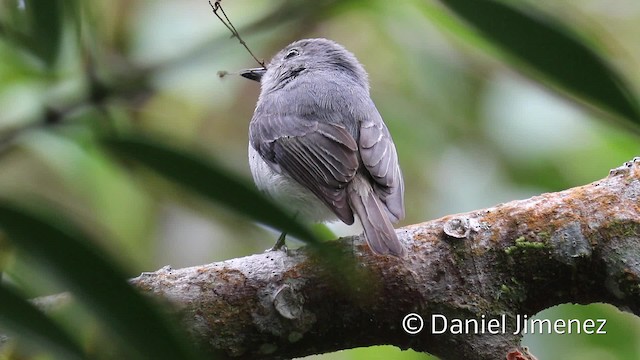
(473,118)
(69,256)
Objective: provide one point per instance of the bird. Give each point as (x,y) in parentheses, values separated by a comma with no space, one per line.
(318,145)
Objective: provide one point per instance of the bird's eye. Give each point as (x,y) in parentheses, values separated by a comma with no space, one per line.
(292,53)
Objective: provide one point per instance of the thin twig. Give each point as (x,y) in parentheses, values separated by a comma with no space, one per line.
(215,6)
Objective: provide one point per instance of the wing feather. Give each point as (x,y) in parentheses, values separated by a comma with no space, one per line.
(380,158)
(321,156)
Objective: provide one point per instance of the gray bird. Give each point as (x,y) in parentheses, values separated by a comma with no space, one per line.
(319,147)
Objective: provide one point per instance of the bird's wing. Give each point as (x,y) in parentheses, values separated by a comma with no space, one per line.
(321,156)
(379,157)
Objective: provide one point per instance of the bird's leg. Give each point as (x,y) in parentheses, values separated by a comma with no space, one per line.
(280,244)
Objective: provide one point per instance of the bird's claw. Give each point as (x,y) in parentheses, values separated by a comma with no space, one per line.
(279,245)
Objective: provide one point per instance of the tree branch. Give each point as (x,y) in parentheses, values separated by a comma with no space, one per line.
(580,245)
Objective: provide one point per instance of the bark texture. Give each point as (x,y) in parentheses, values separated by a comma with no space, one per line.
(576,246)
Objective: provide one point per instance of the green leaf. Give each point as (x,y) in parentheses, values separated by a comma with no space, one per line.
(210,181)
(47,20)
(94,279)
(21,318)
(552,51)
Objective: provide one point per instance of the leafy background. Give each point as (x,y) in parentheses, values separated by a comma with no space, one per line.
(474,126)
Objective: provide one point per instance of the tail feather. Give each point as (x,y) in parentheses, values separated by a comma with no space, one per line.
(378,231)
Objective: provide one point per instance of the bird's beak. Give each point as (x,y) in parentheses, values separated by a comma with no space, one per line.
(253,74)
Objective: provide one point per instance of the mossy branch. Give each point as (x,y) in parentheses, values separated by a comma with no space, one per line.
(581,246)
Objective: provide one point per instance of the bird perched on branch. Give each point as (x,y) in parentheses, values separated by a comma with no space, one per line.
(319,147)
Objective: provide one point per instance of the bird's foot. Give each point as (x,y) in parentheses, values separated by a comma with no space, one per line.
(280,244)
